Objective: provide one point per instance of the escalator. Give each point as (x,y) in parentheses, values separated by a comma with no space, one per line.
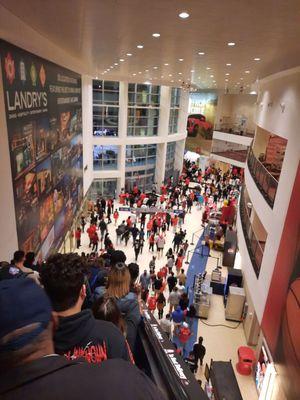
(157,357)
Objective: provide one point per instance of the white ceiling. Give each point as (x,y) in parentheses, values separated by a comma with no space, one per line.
(100,32)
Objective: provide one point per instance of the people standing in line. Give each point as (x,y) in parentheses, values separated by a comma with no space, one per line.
(160,304)
(78,237)
(199,351)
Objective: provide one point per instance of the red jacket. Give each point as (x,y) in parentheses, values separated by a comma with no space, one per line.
(184,334)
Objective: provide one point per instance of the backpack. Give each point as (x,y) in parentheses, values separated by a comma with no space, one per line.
(12,272)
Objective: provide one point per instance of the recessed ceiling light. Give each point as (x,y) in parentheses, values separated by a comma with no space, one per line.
(134,74)
(147,83)
(247,72)
(192,70)
(162,76)
(155,67)
(139,46)
(226,80)
(111,66)
(166,64)
(108,69)
(230,44)
(241,79)
(121,59)
(199,77)
(227,74)
(208,68)
(180,59)
(140,72)
(211,76)
(179,80)
(156,35)
(184,15)
(146,70)
(179,73)
(96,77)
(201,53)
(170,74)
(228,65)
(256,59)
(116,64)
(129,54)
(172,81)
(189,79)
(214,81)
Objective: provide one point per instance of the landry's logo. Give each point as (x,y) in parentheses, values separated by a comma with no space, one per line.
(33,74)
(10,71)
(42,76)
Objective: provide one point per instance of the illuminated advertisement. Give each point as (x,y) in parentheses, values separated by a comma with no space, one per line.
(44,124)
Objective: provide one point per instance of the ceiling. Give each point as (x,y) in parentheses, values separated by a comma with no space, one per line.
(101,32)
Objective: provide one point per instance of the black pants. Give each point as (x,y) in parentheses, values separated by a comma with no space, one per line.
(197,360)
(160,314)
(95,247)
(151,246)
(78,243)
(136,254)
(176,246)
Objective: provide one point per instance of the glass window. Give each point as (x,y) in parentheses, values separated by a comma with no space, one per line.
(142,121)
(143,95)
(173,120)
(137,155)
(175,97)
(102,187)
(105,157)
(106,108)
(170,159)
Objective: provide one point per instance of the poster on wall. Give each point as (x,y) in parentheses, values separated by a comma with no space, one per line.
(44,124)
(202,112)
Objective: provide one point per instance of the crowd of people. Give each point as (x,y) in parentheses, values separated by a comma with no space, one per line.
(88,305)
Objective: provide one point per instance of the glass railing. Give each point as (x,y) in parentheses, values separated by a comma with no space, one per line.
(234,130)
(266,183)
(255,247)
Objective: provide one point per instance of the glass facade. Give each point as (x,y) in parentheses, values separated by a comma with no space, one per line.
(143,95)
(105,157)
(138,156)
(170,159)
(174,110)
(102,187)
(105,108)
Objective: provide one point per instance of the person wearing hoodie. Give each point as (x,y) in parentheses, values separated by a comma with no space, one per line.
(79,334)
(119,284)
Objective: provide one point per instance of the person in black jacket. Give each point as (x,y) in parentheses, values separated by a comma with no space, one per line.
(30,369)
(78,334)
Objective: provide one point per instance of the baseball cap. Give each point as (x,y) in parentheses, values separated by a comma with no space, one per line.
(22,303)
(185,325)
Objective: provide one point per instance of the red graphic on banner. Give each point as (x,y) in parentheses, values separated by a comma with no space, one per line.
(10,70)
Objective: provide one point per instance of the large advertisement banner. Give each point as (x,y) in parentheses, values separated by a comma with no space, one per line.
(44,124)
(202,113)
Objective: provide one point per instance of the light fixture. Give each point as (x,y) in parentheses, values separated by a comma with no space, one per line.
(179,73)
(134,74)
(184,15)
(256,59)
(179,80)
(156,35)
(214,81)
(166,64)
(192,70)
(147,83)
(108,69)
(146,70)
(228,65)
(231,44)
(170,74)
(155,67)
(121,59)
(129,54)
(226,80)
(201,53)
(139,46)
(208,68)
(211,76)
(199,77)
(116,64)
(241,79)
(162,76)
(227,74)
(111,66)
(247,72)
(253,92)
(180,59)
(172,81)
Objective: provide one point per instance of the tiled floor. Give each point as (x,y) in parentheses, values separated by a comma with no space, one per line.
(221,343)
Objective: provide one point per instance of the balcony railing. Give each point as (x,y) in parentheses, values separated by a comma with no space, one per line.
(266,183)
(255,247)
(234,130)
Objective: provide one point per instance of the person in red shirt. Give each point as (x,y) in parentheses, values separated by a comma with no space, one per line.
(90,231)
(187,181)
(149,227)
(174,222)
(151,302)
(183,335)
(95,241)
(116,217)
(129,222)
(179,262)
(135,190)
(78,237)
(151,242)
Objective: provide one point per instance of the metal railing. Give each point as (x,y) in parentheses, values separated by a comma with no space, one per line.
(255,249)
(234,130)
(266,183)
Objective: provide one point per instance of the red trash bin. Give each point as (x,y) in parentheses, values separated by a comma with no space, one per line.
(246,360)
